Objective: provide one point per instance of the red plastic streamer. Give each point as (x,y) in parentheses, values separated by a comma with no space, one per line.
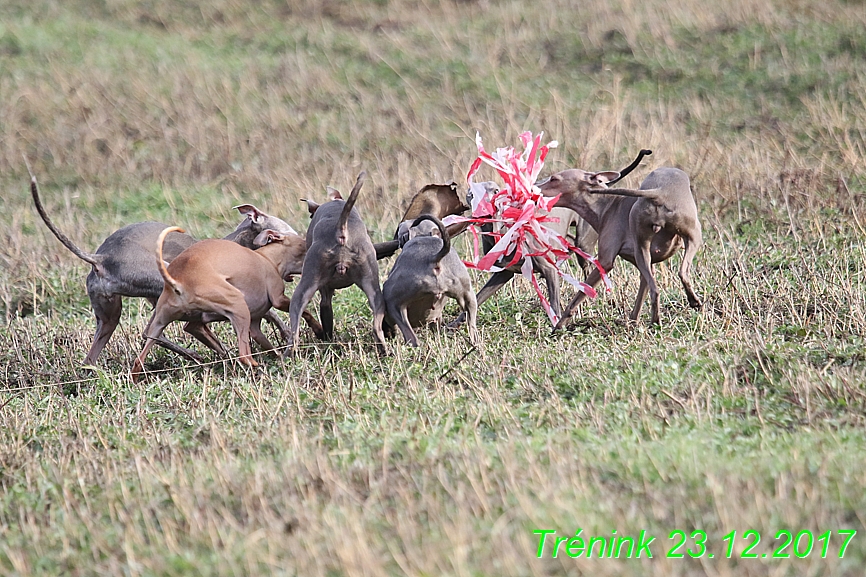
(519,213)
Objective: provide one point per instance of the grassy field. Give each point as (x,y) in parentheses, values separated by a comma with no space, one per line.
(445,460)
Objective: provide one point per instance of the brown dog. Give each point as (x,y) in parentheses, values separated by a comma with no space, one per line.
(216,280)
(643,226)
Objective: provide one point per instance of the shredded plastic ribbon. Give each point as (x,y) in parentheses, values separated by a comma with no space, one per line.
(519,213)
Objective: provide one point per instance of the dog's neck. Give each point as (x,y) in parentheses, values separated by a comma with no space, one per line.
(280,256)
(590,207)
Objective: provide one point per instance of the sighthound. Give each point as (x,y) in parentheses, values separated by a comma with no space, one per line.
(427,271)
(216,279)
(339,254)
(643,226)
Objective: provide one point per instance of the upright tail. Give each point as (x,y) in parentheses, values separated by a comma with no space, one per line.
(446,238)
(625,171)
(160,263)
(93,260)
(342,224)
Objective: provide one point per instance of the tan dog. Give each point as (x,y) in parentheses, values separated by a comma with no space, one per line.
(216,280)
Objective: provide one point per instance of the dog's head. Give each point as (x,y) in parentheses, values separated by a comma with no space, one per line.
(575,181)
(287,252)
(254,224)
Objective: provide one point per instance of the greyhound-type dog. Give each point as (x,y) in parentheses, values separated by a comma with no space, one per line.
(427,271)
(339,254)
(643,226)
(217,279)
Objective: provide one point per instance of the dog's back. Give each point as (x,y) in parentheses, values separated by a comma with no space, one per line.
(127,257)
(202,264)
(426,271)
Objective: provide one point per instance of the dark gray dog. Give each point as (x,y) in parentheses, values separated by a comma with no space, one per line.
(123,266)
(427,271)
(643,226)
(339,254)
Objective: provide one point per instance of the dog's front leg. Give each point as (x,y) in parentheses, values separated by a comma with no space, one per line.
(205,336)
(548,271)
(644,265)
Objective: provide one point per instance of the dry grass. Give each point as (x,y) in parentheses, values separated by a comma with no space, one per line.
(441,460)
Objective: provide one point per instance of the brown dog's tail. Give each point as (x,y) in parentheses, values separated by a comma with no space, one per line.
(624,172)
(342,224)
(160,263)
(93,260)
(446,238)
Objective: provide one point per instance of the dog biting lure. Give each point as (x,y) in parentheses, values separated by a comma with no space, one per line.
(520,216)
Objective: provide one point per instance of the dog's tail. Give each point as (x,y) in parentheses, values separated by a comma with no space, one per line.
(651,194)
(342,224)
(446,238)
(94,260)
(625,171)
(160,263)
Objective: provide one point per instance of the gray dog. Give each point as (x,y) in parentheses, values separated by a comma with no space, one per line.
(339,254)
(643,226)
(427,271)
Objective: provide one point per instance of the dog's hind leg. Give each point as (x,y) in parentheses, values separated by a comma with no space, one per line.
(496,281)
(326,313)
(469,304)
(107,310)
(370,286)
(691,248)
(152,332)
(300,298)
(401,318)
(238,313)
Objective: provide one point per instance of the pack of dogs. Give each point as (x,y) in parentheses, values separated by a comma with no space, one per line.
(241,277)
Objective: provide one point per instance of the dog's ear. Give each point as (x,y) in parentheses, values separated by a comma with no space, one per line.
(602,178)
(334,194)
(267,237)
(250,211)
(404,232)
(312,206)
(421,230)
